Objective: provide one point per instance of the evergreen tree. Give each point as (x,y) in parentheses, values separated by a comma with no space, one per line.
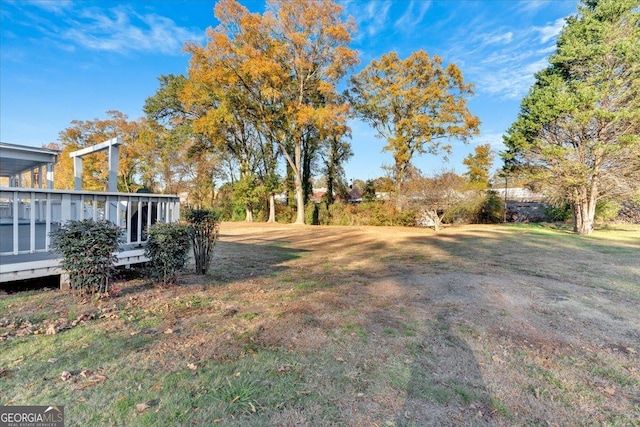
(578,131)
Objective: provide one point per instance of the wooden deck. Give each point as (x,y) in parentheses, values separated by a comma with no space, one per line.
(28,216)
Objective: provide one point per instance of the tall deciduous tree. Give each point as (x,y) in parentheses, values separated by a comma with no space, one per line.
(82,134)
(278,70)
(415,104)
(179,162)
(478,166)
(336,152)
(578,131)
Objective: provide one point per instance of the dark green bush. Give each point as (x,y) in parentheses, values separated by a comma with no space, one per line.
(311,213)
(491,209)
(89,251)
(167,249)
(204,225)
(558,213)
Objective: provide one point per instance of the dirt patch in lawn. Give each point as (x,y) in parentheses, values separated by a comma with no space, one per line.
(476,325)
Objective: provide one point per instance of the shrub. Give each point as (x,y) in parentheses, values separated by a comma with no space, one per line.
(323,214)
(607,210)
(204,225)
(239,213)
(167,249)
(491,209)
(285,213)
(340,214)
(311,213)
(558,212)
(365,213)
(89,251)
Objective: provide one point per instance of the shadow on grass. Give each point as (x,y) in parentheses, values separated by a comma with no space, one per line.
(446,383)
(235,261)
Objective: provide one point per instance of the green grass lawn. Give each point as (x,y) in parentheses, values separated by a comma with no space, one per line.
(478,325)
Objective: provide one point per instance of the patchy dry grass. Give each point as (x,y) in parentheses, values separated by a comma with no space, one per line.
(478,325)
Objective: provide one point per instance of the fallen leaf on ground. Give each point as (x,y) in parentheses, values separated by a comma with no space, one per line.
(65,375)
(140,407)
(192,366)
(99,378)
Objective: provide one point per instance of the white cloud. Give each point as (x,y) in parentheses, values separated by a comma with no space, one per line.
(505,38)
(413,15)
(550,31)
(532,5)
(536,66)
(502,61)
(371,17)
(376,17)
(118,29)
(507,83)
(122,30)
(494,139)
(55,6)
(547,50)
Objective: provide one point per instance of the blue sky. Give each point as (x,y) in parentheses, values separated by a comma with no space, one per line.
(64,60)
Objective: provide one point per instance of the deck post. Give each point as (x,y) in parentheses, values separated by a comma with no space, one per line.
(32,223)
(77,173)
(16,223)
(65,282)
(50,176)
(47,237)
(114,161)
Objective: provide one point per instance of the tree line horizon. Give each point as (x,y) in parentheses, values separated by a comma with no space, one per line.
(259,107)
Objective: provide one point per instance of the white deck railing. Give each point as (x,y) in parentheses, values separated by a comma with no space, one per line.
(28,215)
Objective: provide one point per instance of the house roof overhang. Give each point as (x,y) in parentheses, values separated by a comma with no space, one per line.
(16,159)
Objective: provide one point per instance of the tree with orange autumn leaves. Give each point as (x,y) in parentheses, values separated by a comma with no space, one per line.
(150,158)
(417,105)
(82,134)
(279,71)
(264,87)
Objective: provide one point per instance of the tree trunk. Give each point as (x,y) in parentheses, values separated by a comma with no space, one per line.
(298,179)
(329,195)
(307,157)
(432,215)
(249,214)
(331,171)
(272,208)
(584,212)
(299,201)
